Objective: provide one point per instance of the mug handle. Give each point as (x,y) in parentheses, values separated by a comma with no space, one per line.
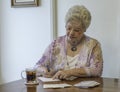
(22,75)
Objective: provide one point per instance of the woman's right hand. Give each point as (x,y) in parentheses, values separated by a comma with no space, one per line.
(43,71)
(48,74)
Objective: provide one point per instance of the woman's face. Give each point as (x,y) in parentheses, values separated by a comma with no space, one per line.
(74,32)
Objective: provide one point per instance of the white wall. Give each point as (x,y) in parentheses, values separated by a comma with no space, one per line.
(25,33)
(104,27)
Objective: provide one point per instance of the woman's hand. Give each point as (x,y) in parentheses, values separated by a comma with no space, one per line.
(43,71)
(49,73)
(62,74)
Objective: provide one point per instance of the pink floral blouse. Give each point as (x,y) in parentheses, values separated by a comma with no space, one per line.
(89,58)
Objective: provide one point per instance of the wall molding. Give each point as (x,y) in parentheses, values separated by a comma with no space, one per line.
(53,19)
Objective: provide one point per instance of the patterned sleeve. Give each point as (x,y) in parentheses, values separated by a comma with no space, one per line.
(95,62)
(45,60)
(46,57)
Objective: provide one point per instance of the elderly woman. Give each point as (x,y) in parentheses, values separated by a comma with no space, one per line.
(74,54)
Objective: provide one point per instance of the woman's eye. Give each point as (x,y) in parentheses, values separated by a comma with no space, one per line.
(68,28)
(76,30)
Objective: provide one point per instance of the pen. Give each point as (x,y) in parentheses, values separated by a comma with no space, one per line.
(48,68)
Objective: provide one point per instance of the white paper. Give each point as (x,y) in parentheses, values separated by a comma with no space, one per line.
(43,79)
(56,85)
(71,78)
(87,84)
(24,0)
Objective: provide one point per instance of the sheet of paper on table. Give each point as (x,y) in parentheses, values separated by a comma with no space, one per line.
(82,84)
(56,85)
(43,79)
(87,84)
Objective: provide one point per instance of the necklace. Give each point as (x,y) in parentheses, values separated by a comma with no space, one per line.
(74,48)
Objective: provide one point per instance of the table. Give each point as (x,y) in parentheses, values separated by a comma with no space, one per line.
(107,85)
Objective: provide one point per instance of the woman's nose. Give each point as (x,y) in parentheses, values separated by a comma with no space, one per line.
(71,32)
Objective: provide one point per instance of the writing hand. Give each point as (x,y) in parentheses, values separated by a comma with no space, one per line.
(48,69)
(49,73)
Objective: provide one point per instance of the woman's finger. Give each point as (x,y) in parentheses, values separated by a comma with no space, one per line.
(56,76)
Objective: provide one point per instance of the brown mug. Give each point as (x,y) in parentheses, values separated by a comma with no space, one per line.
(30,75)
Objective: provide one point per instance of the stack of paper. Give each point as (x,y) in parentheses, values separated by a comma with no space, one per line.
(87,84)
(56,85)
(82,84)
(43,79)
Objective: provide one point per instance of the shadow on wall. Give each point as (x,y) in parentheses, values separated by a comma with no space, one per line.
(0,48)
(0,74)
(0,61)
(0,56)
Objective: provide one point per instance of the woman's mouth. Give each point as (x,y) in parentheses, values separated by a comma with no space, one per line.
(72,37)
(72,40)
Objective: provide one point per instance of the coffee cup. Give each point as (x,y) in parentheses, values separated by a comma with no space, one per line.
(29,75)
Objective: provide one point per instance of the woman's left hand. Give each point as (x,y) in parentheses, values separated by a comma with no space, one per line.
(62,74)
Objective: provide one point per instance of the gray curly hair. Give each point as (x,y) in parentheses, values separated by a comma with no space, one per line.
(79,13)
